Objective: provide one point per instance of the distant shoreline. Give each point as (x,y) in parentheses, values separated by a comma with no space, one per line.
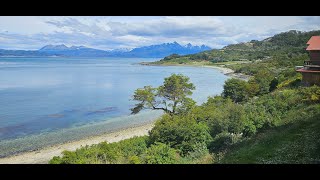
(43,156)
(28,56)
(226,71)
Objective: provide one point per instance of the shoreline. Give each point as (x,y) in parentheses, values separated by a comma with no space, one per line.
(42,156)
(226,71)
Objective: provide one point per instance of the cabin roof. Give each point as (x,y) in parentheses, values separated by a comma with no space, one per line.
(314,43)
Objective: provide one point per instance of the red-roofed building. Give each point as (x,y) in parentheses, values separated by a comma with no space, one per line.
(311,69)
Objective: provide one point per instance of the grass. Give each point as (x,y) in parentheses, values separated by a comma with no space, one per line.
(298,142)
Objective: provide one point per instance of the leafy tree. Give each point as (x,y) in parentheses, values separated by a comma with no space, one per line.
(186,105)
(167,97)
(235,89)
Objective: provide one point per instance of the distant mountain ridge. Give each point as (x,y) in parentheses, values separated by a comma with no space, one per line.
(160,50)
(73,51)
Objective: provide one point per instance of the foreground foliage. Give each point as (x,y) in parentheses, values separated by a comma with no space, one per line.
(220,126)
(298,142)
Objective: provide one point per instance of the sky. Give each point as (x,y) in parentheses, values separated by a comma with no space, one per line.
(118,32)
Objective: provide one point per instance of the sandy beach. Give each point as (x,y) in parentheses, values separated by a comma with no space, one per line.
(42,156)
(221,69)
(230,72)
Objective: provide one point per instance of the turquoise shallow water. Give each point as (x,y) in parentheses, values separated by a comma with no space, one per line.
(45,101)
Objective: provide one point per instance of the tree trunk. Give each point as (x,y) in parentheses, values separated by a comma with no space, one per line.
(174,107)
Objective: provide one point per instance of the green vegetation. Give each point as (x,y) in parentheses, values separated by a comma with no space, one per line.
(126,151)
(291,43)
(180,132)
(294,143)
(168,97)
(238,90)
(268,119)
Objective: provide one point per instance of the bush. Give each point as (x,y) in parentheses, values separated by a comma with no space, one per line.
(134,160)
(125,151)
(180,132)
(311,94)
(221,115)
(199,150)
(160,153)
(290,82)
(200,155)
(223,140)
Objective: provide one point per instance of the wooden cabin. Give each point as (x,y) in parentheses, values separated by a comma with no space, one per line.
(311,69)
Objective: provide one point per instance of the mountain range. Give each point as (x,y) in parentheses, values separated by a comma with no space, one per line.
(160,50)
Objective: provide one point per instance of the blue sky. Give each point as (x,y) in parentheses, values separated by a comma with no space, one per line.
(113,32)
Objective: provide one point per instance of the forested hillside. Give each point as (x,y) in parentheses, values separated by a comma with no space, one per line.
(289,44)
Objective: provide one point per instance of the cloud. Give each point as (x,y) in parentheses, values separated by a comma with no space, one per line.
(129,32)
(171,27)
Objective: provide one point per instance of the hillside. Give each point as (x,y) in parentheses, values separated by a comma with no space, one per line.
(288,43)
(294,143)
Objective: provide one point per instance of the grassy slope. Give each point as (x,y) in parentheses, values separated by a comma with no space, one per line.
(293,143)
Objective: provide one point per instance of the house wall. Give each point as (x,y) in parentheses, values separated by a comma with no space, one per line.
(315,57)
(309,79)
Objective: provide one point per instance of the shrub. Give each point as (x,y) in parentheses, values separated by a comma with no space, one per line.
(180,132)
(223,140)
(134,160)
(160,153)
(311,94)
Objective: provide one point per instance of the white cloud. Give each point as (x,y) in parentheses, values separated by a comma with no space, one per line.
(128,32)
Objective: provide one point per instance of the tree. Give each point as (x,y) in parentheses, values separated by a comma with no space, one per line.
(172,56)
(168,97)
(235,89)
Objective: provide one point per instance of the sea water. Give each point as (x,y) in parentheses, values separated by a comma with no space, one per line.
(51,100)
